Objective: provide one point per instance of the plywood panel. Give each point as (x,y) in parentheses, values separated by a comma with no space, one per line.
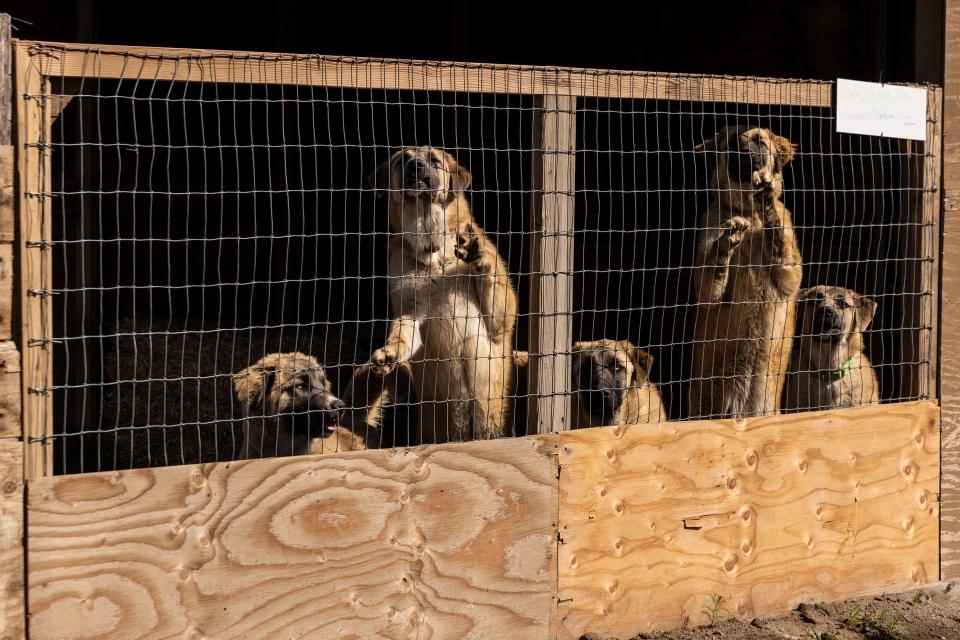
(11,539)
(655,519)
(152,63)
(451,541)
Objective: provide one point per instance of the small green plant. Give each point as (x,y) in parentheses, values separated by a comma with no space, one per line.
(855,617)
(716,612)
(884,623)
(918,597)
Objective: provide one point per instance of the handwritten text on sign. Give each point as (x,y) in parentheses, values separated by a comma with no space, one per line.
(884,110)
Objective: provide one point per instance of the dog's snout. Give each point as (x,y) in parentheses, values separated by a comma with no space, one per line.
(337,404)
(415,168)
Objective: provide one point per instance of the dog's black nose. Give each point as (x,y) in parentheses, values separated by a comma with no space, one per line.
(416,167)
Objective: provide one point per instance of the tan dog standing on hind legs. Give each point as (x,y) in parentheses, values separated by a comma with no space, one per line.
(453,305)
(828,368)
(748,272)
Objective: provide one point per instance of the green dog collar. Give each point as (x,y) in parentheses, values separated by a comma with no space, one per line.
(834,374)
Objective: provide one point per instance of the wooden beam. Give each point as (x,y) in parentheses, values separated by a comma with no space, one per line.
(448,541)
(33,163)
(656,519)
(950,301)
(12,559)
(12,620)
(155,63)
(551,263)
(920,249)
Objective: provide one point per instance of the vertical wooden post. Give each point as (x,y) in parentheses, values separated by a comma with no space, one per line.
(950,303)
(920,250)
(33,165)
(12,558)
(551,263)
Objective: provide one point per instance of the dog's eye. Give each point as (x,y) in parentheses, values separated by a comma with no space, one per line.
(302,386)
(842,303)
(435,162)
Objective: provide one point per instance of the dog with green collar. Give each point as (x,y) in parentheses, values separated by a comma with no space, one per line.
(828,368)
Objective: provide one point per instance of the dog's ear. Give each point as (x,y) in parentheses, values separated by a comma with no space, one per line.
(576,362)
(379,178)
(642,365)
(253,384)
(786,150)
(804,298)
(711,146)
(866,308)
(460,178)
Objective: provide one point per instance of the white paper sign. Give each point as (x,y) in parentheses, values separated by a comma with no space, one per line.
(873,109)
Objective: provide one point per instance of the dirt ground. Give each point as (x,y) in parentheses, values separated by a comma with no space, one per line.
(927,613)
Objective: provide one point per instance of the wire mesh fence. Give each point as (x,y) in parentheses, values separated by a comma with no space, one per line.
(253,255)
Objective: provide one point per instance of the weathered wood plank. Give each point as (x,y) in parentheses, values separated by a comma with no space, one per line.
(551,263)
(33,166)
(950,302)
(920,248)
(11,539)
(9,391)
(655,519)
(154,63)
(450,541)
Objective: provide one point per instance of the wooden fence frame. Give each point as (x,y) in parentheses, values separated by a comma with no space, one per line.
(583,482)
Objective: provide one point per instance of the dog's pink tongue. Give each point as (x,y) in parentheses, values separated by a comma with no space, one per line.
(332,427)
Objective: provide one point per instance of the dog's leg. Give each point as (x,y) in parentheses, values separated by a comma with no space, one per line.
(494,293)
(489,379)
(716,254)
(402,342)
(779,248)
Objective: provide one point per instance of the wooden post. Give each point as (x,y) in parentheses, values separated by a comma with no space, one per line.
(12,560)
(33,164)
(920,252)
(551,263)
(950,303)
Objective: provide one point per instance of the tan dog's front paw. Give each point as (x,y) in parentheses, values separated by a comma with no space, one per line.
(384,360)
(468,248)
(734,235)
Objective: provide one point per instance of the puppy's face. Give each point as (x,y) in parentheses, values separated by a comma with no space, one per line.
(288,383)
(603,372)
(416,173)
(748,160)
(831,321)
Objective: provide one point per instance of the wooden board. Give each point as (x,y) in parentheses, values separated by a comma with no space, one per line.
(9,391)
(11,539)
(920,249)
(153,63)
(33,168)
(6,77)
(769,512)
(551,263)
(950,302)
(449,541)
